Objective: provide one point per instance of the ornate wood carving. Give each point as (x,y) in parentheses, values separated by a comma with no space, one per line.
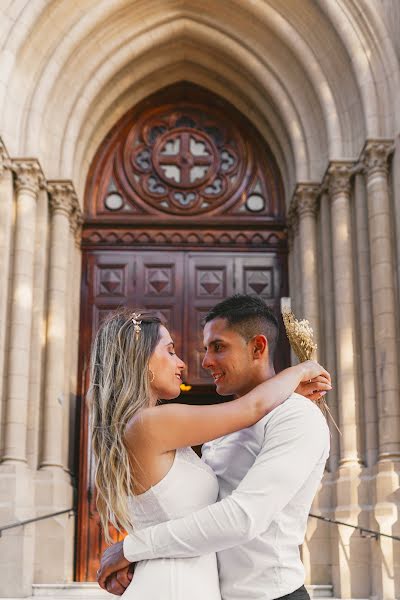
(237,238)
(184,160)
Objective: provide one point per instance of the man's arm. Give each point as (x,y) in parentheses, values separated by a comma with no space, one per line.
(295,441)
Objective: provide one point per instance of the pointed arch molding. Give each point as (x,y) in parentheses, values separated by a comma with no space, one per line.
(187,161)
(313,78)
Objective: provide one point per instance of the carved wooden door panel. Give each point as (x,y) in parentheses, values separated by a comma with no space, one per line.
(211,277)
(265,275)
(148,280)
(181,287)
(159,288)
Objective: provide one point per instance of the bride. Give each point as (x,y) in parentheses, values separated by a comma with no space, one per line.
(146,471)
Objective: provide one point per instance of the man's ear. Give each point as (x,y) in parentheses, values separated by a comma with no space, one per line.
(260,346)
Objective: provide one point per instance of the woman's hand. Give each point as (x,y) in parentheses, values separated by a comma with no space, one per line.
(310,369)
(315,381)
(315,389)
(112,560)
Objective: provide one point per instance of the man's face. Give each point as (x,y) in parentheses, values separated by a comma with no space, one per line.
(228,358)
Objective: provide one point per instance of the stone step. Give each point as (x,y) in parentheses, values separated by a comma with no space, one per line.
(91,591)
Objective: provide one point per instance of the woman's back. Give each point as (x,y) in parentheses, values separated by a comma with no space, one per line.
(188,486)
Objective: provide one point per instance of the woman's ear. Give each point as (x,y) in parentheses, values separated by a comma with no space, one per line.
(260,347)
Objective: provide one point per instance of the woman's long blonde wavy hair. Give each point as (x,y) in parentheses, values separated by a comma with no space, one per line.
(119,389)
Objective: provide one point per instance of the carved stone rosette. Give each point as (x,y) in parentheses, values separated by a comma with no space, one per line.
(28,176)
(375,156)
(306,199)
(339,177)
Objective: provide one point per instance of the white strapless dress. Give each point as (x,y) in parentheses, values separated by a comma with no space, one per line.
(189,485)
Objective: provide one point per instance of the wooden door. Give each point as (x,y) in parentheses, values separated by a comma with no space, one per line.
(181,287)
(184,205)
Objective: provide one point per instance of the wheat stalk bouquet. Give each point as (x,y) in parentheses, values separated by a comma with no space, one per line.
(301,339)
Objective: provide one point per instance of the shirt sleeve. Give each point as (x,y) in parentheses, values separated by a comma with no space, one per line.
(296,440)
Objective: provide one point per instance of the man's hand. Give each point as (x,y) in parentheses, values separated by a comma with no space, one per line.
(314,389)
(117,582)
(113,560)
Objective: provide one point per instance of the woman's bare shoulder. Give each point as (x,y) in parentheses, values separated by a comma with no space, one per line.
(140,426)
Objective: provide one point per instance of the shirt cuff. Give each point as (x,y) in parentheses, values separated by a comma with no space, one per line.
(137,546)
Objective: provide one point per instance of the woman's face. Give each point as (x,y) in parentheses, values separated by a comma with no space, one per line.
(167,368)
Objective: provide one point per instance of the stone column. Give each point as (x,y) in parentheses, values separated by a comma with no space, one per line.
(350,566)
(38,333)
(327,319)
(384,304)
(293,229)
(339,190)
(6,227)
(294,241)
(306,199)
(385,311)
(28,177)
(367,354)
(16,482)
(61,198)
(55,537)
(71,363)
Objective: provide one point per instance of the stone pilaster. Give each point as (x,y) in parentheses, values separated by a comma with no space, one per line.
(385,311)
(375,157)
(73,315)
(339,191)
(327,319)
(306,201)
(16,489)
(37,362)
(295,262)
(28,179)
(6,228)
(53,487)
(61,199)
(367,353)
(349,568)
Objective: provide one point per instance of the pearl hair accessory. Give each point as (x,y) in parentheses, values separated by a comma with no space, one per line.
(136,324)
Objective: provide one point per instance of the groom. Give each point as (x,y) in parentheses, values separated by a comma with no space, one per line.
(268,475)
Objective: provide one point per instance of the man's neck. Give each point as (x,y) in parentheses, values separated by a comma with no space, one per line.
(255,381)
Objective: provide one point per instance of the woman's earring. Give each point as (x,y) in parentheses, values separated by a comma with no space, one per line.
(152,376)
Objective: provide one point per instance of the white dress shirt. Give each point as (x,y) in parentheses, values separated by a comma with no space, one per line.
(268,476)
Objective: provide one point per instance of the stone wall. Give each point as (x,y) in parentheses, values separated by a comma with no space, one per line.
(349,288)
(40,284)
(321,81)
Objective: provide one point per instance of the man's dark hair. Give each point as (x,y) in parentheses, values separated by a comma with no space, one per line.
(249,316)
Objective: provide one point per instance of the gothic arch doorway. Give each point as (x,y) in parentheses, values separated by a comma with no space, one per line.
(184,206)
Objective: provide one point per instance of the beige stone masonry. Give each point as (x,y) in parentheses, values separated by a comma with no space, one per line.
(29,177)
(364,310)
(339,175)
(375,158)
(327,312)
(62,199)
(295,260)
(38,333)
(306,202)
(6,227)
(73,314)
